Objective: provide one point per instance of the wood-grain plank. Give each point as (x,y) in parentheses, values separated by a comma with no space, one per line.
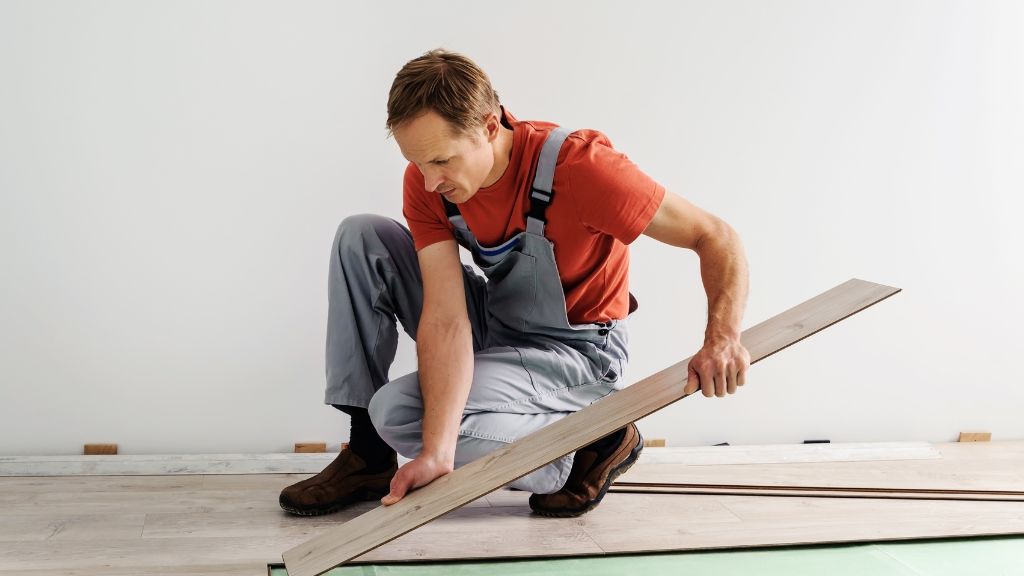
(35,526)
(145,502)
(143,553)
(164,464)
(994,467)
(777,521)
(787,453)
(486,474)
(241,569)
(808,492)
(37,484)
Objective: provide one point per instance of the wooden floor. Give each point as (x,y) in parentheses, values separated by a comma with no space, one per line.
(230,524)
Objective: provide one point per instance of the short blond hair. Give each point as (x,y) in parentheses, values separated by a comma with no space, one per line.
(446,82)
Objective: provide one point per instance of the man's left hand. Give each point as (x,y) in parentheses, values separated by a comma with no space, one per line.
(718,368)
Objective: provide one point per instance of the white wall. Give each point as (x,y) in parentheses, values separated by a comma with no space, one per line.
(172,174)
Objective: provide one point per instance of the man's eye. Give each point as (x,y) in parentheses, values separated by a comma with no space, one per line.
(441,162)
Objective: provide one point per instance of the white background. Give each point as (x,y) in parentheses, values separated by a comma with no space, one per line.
(172,175)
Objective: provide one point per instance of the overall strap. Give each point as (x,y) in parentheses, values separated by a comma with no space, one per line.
(541,193)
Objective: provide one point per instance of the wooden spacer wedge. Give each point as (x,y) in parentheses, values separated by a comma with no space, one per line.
(310,447)
(975,437)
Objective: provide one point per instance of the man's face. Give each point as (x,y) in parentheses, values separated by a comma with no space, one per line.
(455,166)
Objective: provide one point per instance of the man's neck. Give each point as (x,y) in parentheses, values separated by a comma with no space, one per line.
(502,156)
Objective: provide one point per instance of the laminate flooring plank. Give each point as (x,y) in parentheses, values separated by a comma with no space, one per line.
(245,523)
(490,472)
(805,492)
(143,553)
(42,484)
(164,464)
(39,526)
(251,481)
(995,451)
(991,469)
(778,521)
(788,453)
(249,569)
(145,503)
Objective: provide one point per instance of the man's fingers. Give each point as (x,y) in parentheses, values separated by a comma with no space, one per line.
(731,381)
(692,383)
(399,486)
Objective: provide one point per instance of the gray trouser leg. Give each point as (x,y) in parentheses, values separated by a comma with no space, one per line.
(374,279)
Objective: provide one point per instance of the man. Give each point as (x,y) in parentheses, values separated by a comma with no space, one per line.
(547,214)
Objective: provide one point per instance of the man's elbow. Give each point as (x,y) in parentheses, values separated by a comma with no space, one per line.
(718,234)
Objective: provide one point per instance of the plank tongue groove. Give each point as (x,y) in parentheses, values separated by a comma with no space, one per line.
(385,523)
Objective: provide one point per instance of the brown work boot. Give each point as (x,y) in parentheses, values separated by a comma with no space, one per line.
(342,483)
(591,475)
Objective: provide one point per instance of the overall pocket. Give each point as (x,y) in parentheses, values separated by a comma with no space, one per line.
(512,289)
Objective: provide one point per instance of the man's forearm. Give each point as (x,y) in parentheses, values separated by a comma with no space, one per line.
(445,355)
(723,270)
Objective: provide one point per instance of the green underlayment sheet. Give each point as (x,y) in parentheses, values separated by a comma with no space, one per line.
(990,556)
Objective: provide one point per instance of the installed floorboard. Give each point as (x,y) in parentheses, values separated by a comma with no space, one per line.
(989,466)
(164,464)
(490,472)
(249,569)
(766,521)
(55,526)
(788,453)
(936,495)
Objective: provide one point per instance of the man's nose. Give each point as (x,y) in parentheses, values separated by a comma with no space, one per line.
(432,181)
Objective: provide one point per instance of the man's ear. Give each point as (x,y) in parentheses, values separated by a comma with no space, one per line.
(492,127)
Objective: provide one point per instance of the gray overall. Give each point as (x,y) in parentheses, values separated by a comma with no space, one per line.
(531,367)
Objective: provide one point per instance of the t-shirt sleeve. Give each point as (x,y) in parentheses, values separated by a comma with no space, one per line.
(423,211)
(612,195)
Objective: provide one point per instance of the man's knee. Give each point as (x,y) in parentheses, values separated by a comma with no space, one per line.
(394,408)
(353,229)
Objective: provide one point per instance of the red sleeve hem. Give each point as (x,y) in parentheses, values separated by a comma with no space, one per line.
(644,218)
(425,240)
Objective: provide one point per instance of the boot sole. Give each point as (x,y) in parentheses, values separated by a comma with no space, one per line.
(362,495)
(619,470)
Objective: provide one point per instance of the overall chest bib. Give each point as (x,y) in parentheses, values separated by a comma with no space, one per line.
(525,299)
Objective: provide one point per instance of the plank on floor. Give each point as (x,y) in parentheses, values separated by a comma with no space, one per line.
(995,466)
(937,495)
(787,453)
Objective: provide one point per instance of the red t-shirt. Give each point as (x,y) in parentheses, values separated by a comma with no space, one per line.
(602,202)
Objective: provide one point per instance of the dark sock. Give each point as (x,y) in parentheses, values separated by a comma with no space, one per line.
(605,446)
(364,440)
